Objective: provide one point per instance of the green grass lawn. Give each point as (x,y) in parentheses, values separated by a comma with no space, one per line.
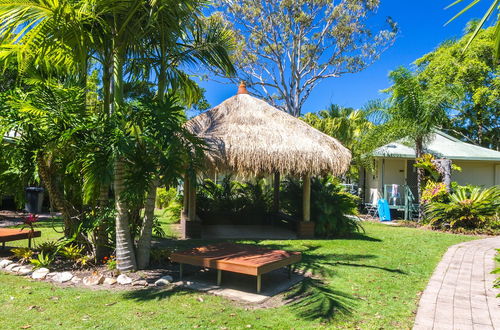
(369,281)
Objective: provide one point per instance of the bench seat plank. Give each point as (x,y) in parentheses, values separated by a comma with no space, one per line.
(237,258)
(14,234)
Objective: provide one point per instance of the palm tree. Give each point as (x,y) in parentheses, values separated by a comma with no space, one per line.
(119,35)
(409,113)
(495,6)
(346,124)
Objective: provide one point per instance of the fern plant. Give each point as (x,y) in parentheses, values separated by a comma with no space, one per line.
(468,208)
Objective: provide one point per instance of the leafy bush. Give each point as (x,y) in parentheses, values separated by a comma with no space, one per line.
(42,260)
(434,192)
(72,252)
(23,254)
(48,247)
(160,256)
(332,209)
(220,198)
(468,208)
(244,201)
(496,283)
(164,197)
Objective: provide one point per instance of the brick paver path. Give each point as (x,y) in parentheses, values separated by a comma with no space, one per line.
(460,294)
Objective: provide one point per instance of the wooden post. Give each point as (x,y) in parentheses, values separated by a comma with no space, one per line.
(219,277)
(306,198)
(259,281)
(306,226)
(276,197)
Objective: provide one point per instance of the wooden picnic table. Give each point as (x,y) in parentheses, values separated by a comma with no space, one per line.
(238,258)
(14,234)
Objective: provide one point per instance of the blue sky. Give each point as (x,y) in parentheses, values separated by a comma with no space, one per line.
(421,30)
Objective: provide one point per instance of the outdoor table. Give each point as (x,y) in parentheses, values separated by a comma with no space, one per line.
(14,234)
(237,258)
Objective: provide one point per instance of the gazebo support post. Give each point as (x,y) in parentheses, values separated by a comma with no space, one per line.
(276,196)
(306,226)
(191,225)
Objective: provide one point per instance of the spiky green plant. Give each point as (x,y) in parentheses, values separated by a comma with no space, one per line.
(468,208)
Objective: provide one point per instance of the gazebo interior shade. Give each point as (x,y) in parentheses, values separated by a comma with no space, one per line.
(248,136)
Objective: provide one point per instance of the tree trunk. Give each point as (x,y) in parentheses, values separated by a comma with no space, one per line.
(144,242)
(57,198)
(125,254)
(420,175)
(101,244)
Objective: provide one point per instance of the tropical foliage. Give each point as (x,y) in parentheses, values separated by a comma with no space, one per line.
(471,80)
(104,86)
(468,208)
(234,201)
(494,7)
(346,125)
(332,209)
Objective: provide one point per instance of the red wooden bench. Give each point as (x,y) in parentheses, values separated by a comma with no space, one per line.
(14,234)
(237,258)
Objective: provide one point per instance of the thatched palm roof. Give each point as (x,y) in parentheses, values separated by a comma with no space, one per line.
(246,135)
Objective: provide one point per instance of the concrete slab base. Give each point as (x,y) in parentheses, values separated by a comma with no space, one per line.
(241,287)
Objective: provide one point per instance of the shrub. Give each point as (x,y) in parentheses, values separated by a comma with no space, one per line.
(42,260)
(72,252)
(244,201)
(468,208)
(434,192)
(164,197)
(110,262)
(160,256)
(48,247)
(496,283)
(23,254)
(332,209)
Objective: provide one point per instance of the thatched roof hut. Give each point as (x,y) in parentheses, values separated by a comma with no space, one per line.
(248,136)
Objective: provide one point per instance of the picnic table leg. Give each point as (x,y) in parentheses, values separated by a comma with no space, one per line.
(258,283)
(29,242)
(180,272)
(219,277)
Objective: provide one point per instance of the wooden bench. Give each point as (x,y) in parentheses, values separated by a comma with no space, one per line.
(14,234)
(237,258)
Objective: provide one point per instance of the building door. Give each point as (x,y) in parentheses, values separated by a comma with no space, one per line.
(411,177)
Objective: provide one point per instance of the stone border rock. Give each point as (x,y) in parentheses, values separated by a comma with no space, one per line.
(96,279)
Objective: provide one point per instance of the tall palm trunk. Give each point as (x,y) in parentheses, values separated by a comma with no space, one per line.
(146,235)
(419,148)
(125,254)
(144,242)
(56,196)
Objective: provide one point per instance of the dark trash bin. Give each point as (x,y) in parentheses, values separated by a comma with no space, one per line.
(34,199)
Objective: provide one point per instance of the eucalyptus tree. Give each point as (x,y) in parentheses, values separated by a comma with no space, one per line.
(411,112)
(287,47)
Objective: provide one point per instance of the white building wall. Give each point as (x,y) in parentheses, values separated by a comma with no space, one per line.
(477,173)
